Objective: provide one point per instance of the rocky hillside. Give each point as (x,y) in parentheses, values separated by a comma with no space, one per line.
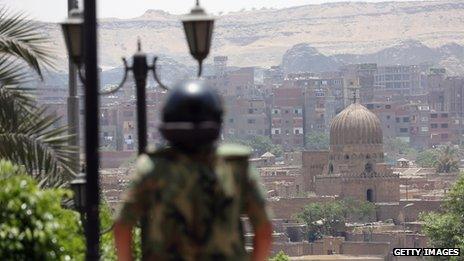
(261,37)
(303,57)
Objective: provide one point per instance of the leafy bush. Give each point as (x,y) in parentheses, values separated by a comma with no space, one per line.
(33,224)
(325,218)
(281,256)
(446,230)
(317,141)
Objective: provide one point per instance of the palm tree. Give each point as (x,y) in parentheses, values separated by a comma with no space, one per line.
(447,161)
(27,134)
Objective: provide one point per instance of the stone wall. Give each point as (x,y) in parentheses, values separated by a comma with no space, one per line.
(411,213)
(313,163)
(286,208)
(114,159)
(365,248)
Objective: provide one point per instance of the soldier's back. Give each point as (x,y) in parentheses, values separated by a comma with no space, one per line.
(194,202)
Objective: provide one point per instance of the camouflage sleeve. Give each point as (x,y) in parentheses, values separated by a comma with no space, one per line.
(135,199)
(255,203)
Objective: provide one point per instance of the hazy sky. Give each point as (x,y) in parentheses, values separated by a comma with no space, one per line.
(55,10)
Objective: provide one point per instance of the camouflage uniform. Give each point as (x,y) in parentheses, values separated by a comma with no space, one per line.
(194,203)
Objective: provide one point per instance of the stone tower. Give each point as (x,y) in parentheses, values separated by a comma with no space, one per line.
(356,166)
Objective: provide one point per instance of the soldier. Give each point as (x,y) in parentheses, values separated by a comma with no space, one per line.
(192,192)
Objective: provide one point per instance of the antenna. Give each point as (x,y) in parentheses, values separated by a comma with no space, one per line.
(139,44)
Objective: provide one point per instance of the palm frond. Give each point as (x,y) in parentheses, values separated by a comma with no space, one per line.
(21,38)
(31,139)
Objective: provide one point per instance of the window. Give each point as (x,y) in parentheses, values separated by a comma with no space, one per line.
(444,125)
(405,119)
(287,111)
(231,120)
(433,115)
(276,131)
(424,119)
(444,115)
(388,106)
(433,125)
(275,111)
(388,117)
(251,121)
(250,111)
(297,130)
(424,129)
(397,119)
(403,130)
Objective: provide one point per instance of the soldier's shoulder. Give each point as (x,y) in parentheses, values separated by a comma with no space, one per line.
(232,150)
(160,153)
(146,162)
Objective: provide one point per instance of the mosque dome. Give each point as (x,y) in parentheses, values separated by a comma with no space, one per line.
(356,125)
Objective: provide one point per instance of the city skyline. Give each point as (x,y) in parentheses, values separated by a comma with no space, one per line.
(55,10)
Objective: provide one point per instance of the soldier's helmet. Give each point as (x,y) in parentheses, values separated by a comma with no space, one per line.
(192,115)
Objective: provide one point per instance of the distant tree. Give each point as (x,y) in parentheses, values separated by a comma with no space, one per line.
(281,256)
(448,160)
(446,230)
(396,148)
(317,141)
(427,158)
(444,158)
(260,145)
(323,218)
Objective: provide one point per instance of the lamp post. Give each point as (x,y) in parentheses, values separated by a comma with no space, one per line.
(78,186)
(404,222)
(81,42)
(198,27)
(73,103)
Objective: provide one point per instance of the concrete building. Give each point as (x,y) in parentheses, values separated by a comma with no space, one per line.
(403,79)
(287,124)
(245,118)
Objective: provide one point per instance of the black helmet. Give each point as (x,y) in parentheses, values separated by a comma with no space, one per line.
(192,115)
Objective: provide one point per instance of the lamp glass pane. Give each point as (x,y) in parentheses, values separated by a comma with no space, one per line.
(190,35)
(199,34)
(73,38)
(83,196)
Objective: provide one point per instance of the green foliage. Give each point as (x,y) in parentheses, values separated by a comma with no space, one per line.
(107,247)
(281,256)
(33,224)
(260,145)
(396,148)
(447,161)
(427,158)
(317,141)
(446,230)
(324,218)
(444,158)
(28,135)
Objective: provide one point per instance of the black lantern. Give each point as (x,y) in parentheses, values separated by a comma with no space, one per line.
(78,186)
(198,27)
(72,30)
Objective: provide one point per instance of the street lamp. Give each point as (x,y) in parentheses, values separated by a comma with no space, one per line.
(72,29)
(198,27)
(81,43)
(79,186)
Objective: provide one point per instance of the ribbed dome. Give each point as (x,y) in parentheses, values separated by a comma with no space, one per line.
(355,125)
